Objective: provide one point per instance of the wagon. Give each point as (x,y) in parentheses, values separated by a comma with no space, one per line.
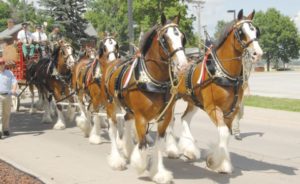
(19,70)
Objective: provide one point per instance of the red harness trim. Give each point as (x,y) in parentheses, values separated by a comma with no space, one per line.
(204,63)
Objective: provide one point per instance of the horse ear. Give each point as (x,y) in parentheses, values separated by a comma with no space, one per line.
(177,19)
(163,19)
(240,15)
(251,16)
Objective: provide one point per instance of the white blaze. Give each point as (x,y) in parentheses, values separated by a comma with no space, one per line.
(111,48)
(251,33)
(177,43)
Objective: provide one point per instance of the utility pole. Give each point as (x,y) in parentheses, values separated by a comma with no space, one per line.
(198,4)
(130,26)
(24,10)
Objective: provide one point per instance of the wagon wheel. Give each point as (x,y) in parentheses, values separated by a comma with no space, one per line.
(16,103)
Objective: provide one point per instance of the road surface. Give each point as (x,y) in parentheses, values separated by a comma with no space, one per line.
(275,84)
(268,153)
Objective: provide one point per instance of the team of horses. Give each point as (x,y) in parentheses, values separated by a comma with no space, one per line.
(146,88)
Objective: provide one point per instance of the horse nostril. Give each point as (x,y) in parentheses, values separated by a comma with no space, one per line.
(254,53)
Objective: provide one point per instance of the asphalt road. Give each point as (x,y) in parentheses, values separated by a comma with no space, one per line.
(268,153)
(275,84)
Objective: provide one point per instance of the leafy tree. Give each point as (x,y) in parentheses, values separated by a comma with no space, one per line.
(5,14)
(69,14)
(111,15)
(280,39)
(220,28)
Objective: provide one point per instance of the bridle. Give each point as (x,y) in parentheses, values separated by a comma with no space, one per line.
(237,28)
(115,51)
(67,57)
(164,44)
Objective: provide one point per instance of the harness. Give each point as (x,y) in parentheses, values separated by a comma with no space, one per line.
(218,74)
(144,82)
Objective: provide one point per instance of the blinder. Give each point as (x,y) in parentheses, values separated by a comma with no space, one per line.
(238,33)
(165,46)
(257,32)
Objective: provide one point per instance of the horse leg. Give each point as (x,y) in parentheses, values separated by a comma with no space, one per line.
(158,172)
(171,147)
(40,102)
(60,123)
(126,144)
(71,110)
(47,114)
(219,159)
(32,109)
(95,132)
(82,120)
(115,160)
(187,144)
(138,157)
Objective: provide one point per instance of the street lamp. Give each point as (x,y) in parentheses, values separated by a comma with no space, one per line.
(232,11)
(198,4)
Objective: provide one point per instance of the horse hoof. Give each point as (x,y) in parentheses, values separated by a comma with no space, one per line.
(32,110)
(191,155)
(117,162)
(163,177)
(138,160)
(173,152)
(59,126)
(95,139)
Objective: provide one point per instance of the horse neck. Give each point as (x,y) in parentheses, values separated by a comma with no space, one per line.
(61,67)
(230,57)
(157,68)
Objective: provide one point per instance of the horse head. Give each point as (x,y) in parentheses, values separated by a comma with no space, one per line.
(66,52)
(109,47)
(170,41)
(246,36)
(91,53)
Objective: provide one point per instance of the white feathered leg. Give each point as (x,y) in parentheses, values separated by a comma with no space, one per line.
(47,114)
(158,172)
(138,159)
(219,158)
(187,144)
(171,144)
(127,145)
(95,132)
(32,108)
(115,160)
(60,123)
(82,120)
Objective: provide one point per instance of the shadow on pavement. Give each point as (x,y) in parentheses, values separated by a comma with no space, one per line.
(189,171)
(22,123)
(248,134)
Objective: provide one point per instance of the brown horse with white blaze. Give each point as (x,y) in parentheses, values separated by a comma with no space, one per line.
(217,86)
(53,79)
(143,87)
(86,80)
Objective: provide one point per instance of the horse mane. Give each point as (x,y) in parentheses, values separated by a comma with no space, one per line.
(224,34)
(147,39)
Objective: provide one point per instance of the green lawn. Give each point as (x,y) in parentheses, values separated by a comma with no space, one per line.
(273,103)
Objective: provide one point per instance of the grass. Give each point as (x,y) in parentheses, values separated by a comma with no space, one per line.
(273,103)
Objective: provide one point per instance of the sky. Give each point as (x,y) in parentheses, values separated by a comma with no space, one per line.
(214,10)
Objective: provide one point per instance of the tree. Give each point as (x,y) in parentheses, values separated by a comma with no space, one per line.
(111,15)
(220,29)
(5,14)
(279,39)
(69,14)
